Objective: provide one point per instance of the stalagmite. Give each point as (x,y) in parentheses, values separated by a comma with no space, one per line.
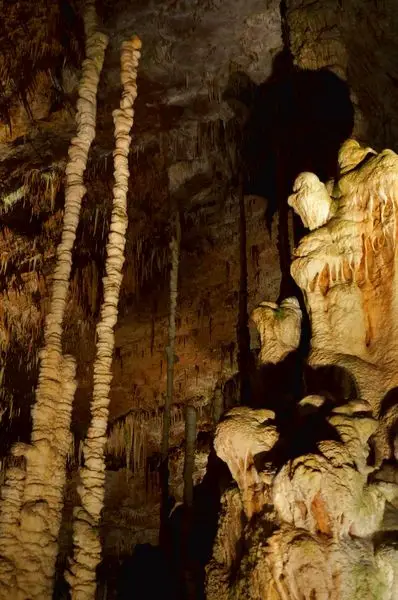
(189,460)
(175,257)
(279,328)
(325,498)
(311,201)
(87,544)
(31,549)
(244,434)
(10,511)
(217,404)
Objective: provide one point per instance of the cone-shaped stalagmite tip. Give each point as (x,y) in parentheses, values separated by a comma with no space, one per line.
(136,42)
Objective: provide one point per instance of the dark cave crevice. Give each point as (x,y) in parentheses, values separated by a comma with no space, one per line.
(296,121)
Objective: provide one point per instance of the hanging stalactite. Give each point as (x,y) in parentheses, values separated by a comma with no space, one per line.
(87,544)
(28,552)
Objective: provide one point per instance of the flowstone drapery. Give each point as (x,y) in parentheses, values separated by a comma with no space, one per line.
(346,268)
(312,524)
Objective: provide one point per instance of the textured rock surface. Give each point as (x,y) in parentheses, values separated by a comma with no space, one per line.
(321,520)
(279,328)
(347,271)
(243,435)
(318,542)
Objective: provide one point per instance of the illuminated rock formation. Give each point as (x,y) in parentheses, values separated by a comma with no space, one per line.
(311,200)
(327,491)
(29,549)
(279,328)
(311,537)
(244,434)
(87,544)
(320,528)
(347,271)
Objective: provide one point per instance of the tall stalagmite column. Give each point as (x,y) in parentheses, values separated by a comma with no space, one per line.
(87,544)
(164,475)
(189,459)
(28,552)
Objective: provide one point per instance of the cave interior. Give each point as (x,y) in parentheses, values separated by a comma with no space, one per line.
(205,321)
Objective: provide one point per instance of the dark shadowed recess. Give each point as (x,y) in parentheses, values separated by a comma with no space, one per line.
(293,122)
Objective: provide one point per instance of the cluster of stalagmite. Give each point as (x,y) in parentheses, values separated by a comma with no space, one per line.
(347,267)
(306,530)
(313,513)
(87,544)
(28,551)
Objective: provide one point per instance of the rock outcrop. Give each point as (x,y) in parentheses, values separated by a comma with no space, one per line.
(308,531)
(316,524)
(279,328)
(346,268)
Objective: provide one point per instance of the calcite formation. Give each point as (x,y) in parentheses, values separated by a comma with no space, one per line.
(314,521)
(279,327)
(346,269)
(87,544)
(311,200)
(29,542)
(316,524)
(244,434)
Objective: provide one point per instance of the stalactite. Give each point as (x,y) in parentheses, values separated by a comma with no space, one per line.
(42,496)
(145,426)
(175,256)
(87,545)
